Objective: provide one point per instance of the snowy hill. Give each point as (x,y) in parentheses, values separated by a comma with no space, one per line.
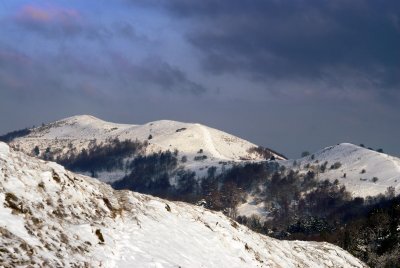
(211,146)
(50,217)
(164,135)
(363,171)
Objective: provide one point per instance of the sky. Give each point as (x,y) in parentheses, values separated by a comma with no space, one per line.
(293,75)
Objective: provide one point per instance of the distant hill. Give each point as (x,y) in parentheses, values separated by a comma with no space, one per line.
(363,171)
(196,146)
(162,135)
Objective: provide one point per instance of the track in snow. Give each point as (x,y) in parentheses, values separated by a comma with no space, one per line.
(210,144)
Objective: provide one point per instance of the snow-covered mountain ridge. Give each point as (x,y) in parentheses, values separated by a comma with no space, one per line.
(161,135)
(364,172)
(50,217)
(198,146)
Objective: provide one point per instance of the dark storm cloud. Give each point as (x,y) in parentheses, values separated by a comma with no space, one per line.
(291,39)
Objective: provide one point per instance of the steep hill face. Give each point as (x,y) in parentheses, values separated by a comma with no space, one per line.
(363,171)
(51,217)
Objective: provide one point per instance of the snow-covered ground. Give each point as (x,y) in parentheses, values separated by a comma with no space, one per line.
(358,168)
(50,217)
(251,207)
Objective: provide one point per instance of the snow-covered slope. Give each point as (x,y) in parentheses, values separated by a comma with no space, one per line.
(211,146)
(50,217)
(362,171)
(188,138)
(356,169)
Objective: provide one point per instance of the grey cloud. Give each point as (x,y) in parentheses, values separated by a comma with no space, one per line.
(59,31)
(155,71)
(23,76)
(126,30)
(50,22)
(66,24)
(168,77)
(291,39)
(70,73)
